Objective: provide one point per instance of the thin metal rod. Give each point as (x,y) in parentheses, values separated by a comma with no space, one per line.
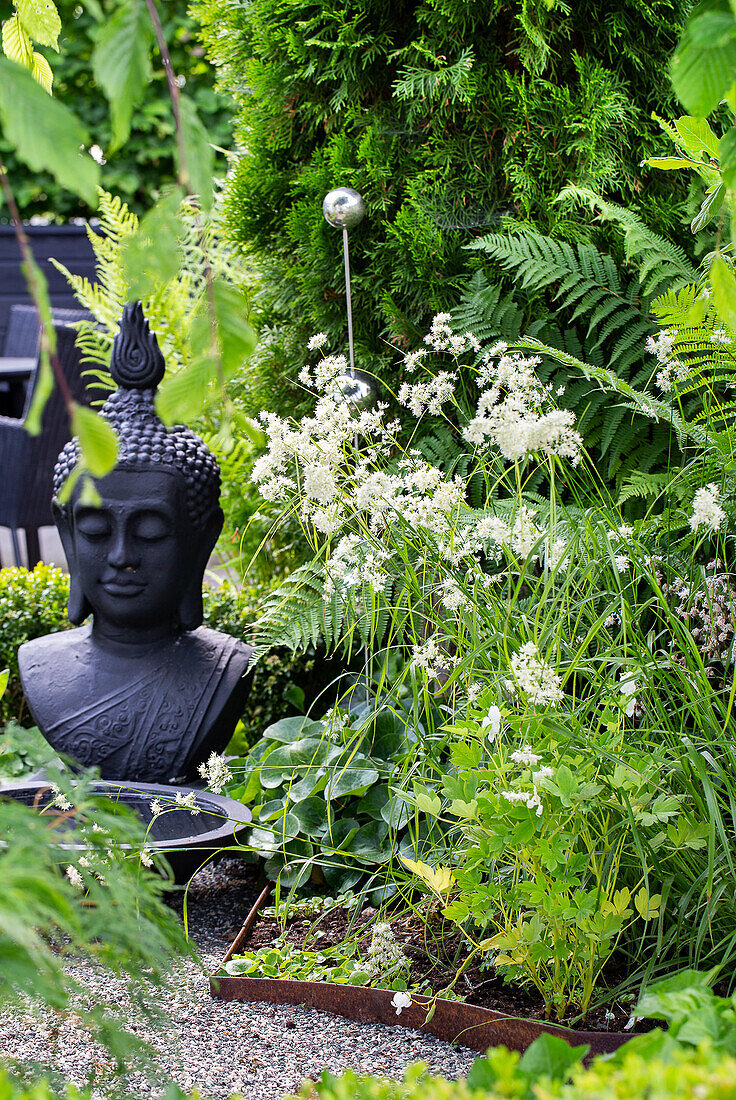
(348,297)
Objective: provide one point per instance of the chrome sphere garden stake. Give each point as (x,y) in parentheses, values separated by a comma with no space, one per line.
(344,208)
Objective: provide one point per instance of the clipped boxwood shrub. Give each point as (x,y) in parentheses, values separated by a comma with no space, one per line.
(630,1076)
(32,603)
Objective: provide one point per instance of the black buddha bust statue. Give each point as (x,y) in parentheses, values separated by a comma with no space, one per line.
(145,692)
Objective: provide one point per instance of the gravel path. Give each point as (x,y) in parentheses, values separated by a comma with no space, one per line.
(259,1051)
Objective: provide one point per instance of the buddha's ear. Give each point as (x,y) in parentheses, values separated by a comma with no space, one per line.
(79,607)
(191,610)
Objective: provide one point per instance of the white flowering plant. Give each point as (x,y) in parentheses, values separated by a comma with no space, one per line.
(531,618)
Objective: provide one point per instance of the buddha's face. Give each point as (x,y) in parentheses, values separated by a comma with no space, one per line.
(134,552)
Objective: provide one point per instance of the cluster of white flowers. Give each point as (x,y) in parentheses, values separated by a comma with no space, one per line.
(187,802)
(525,756)
(453,598)
(661,345)
(384,952)
(511,413)
(413,358)
(317,341)
(442,338)
(72,873)
(707,511)
(531,799)
(431,658)
(215,772)
(674,371)
(60,800)
(428,397)
(720,336)
(521,537)
(534,677)
(622,563)
(354,565)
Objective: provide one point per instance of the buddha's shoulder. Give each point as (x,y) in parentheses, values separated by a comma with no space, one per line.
(70,645)
(206,641)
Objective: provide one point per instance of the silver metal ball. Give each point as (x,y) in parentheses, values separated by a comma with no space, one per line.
(358,389)
(343,208)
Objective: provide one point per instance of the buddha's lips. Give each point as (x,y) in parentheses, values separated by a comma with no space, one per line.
(120,587)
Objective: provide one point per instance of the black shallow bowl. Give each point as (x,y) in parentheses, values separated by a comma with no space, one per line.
(186,840)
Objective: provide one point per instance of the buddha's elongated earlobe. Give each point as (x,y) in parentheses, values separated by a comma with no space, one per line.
(191,610)
(79,607)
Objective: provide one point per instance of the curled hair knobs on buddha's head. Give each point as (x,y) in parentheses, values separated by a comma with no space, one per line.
(137,366)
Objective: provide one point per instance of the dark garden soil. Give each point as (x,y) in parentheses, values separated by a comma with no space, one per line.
(436,952)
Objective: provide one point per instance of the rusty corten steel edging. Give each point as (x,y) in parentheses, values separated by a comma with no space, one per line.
(247,924)
(453,1021)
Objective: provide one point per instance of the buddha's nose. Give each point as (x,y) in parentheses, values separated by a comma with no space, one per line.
(122,553)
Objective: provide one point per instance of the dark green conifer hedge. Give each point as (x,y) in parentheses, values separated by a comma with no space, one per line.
(448,116)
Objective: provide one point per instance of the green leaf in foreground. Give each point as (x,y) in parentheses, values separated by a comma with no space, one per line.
(724,291)
(152,256)
(704,66)
(727,151)
(200,156)
(121,63)
(17,45)
(45,133)
(97,440)
(41,19)
(550,1056)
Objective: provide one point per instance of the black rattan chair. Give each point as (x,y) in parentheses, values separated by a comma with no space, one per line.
(26,461)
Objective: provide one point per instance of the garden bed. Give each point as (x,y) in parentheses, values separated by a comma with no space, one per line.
(490,1013)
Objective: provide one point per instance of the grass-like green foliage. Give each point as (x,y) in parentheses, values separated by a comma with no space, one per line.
(696,1056)
(140,170)
(447,117)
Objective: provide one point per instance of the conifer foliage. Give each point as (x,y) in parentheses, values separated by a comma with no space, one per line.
(448,117)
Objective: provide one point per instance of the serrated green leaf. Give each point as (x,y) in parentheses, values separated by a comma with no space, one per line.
(121,63)
(152,256)
(41,71)
(182,396)
(41,19)
(45,133)
(97,440)
(17,46)
(231,336)
(724,291)
(727,156)
(704,66)
(200,156)
(697,136)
